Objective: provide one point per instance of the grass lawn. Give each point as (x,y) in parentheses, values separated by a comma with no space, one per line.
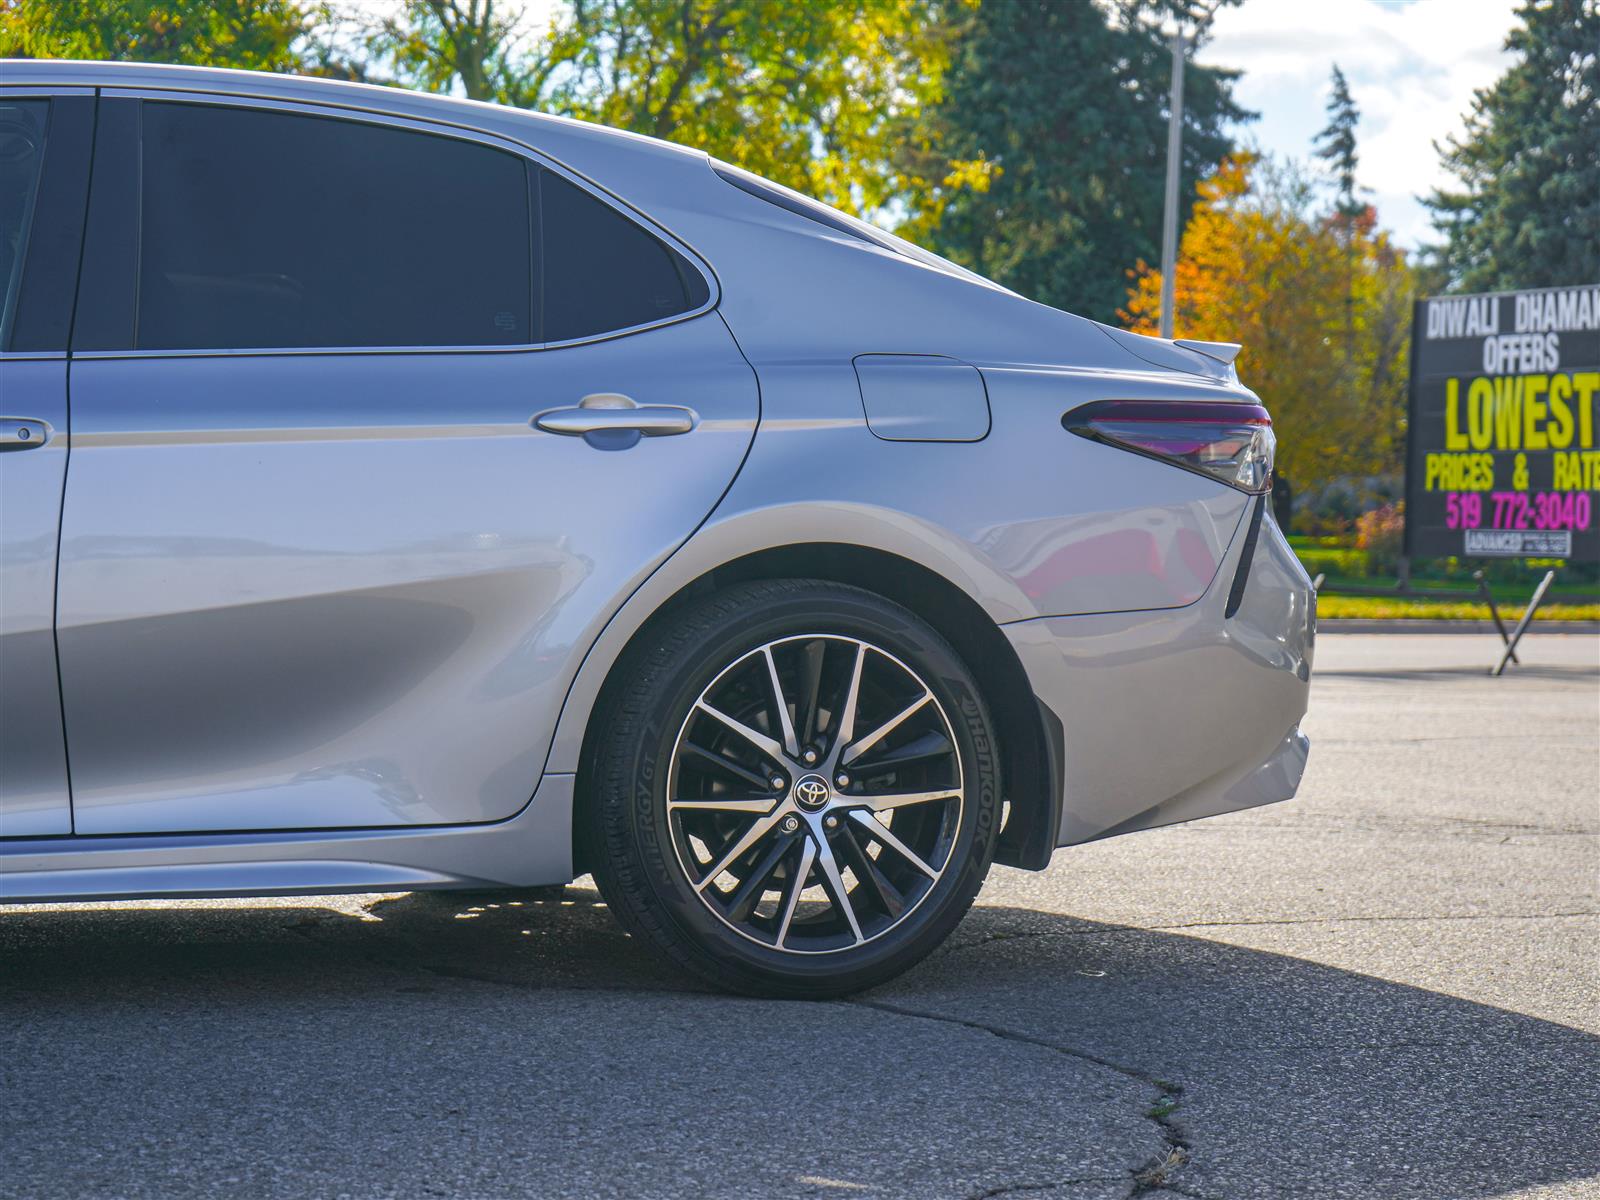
(1346,567)
(1389,608)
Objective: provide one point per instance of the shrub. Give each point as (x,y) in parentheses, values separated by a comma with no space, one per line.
(1381,533)
(1341,562)
(1331,508)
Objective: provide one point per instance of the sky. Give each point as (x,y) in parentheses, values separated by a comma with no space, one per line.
(1412,66)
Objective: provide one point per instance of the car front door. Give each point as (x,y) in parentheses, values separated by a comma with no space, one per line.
(44,171)
(359,467)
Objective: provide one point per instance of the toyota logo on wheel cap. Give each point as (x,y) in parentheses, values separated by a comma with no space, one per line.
(811,792)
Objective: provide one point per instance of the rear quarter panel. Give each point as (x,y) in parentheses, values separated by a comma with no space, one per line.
(1031,521)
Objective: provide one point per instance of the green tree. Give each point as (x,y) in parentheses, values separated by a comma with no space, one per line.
(1045,161)
(1527,211)
(445,45)
(811,93)
(255,34)
(1336,145)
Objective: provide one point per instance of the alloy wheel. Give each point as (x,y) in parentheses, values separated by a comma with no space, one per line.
(814,793)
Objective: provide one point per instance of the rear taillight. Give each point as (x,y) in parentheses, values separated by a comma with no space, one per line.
(1228,441)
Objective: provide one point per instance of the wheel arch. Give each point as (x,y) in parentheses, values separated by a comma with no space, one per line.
(1028,733)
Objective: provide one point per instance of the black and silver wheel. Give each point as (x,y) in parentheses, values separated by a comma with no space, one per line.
(795,792)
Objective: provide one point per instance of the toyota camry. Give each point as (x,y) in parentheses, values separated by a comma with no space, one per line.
(401,492)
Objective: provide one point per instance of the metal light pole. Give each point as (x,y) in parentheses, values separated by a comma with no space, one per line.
(1169,218)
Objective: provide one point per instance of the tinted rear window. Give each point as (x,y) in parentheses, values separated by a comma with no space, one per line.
(264,228)
(21,153)
(602,272)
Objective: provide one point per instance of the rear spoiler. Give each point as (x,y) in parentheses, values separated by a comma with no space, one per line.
(1223,352)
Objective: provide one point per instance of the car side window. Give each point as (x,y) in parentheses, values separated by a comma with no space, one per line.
(22,129)
(261,228)
(602,271)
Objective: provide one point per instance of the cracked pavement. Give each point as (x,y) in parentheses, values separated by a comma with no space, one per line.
(1385,989)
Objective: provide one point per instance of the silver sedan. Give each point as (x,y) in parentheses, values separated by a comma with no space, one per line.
(399,492)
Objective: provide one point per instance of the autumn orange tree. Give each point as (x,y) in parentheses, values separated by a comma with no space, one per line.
(1321,302)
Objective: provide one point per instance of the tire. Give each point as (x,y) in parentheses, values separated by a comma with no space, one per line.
(755,846)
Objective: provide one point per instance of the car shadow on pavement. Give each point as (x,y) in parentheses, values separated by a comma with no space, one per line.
(512,1044)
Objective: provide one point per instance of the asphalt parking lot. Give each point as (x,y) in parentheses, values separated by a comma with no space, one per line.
(1385,989)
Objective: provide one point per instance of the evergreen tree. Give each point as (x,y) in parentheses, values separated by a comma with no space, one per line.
(1527,212)
(1046,158)
(1336,145)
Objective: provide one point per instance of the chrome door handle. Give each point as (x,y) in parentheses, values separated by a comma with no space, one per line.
(22,433)
(607,412)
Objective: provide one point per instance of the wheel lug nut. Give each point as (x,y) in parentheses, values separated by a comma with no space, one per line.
(810,756)
(779,783)
(842,780)
(832,822)
(790,824)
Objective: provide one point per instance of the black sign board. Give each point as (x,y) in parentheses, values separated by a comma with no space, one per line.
(1504,449)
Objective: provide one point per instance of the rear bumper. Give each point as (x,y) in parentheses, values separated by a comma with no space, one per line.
(1173,714)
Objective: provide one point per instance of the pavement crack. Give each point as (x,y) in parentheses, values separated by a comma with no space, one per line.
(1158,1172)
(1017,1189)
(1148,1177)
(1012,1035)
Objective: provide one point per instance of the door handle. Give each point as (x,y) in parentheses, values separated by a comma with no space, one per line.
(22,433)
(610,413)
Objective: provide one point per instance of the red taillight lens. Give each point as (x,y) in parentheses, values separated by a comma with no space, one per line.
(1228,441)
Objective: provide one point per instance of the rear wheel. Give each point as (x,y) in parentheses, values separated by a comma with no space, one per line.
(795,791)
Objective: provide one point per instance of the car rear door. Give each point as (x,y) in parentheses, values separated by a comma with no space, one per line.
(322,564)
(44,173)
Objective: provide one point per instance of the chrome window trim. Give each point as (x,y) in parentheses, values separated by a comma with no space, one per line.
(339,351)
(438,129)
(32,355)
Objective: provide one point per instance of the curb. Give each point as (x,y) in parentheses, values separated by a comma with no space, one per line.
(1425,625)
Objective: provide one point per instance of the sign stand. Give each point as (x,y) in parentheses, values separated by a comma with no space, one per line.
(1508,639)
(1494,613)
(1522,625)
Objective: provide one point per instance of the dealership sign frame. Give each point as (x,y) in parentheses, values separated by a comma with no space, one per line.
(1503,446)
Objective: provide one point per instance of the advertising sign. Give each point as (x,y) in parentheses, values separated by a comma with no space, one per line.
(1504,453)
